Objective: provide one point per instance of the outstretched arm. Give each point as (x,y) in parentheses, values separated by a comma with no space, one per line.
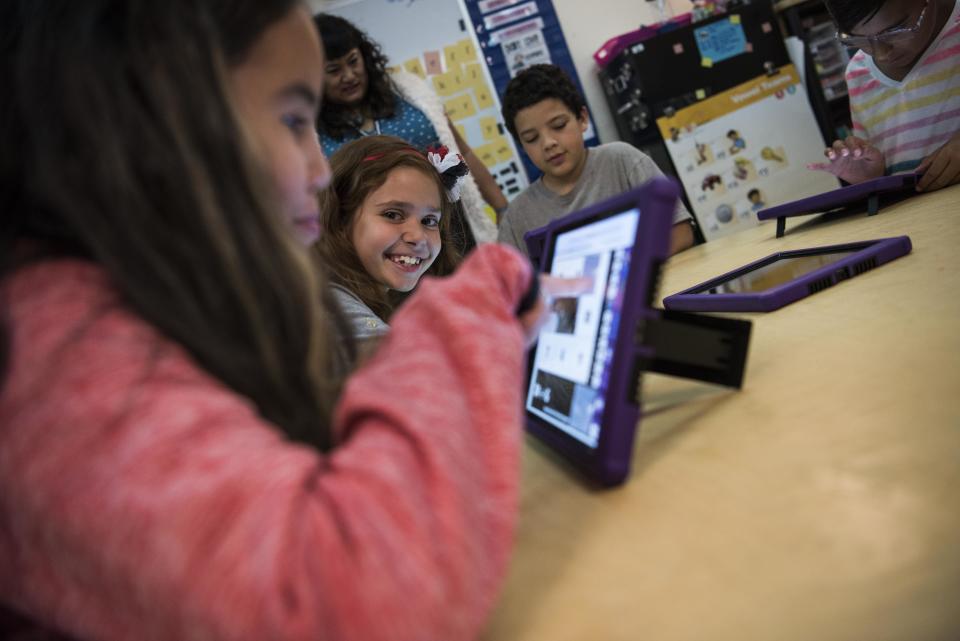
(488,186)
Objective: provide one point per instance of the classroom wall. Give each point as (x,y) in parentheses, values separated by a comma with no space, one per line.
(586,26)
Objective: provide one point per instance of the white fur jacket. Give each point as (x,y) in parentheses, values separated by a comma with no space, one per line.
(417,92)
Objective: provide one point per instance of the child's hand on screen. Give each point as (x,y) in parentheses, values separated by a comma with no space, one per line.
(854,160)
(942,167)
(551,287)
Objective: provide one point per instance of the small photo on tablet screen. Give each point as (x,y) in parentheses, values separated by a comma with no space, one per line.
(573,353)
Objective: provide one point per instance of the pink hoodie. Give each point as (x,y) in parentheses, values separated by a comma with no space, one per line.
(141,499)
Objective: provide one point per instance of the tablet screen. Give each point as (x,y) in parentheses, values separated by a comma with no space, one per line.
(569,377)
(774,273)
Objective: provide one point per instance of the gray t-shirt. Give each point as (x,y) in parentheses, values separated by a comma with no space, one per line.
(610,170)
(364,323)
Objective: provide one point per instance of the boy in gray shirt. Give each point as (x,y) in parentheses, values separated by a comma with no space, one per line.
(544,112)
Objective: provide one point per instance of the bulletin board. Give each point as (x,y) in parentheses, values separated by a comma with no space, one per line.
(745,149)
(514,34)
(433,39)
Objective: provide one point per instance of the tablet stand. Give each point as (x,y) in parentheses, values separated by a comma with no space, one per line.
(694,346)
(873,206)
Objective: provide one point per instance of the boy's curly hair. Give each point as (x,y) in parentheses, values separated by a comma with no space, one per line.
(535,84)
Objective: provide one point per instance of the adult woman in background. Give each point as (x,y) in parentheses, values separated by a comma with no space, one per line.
(361,99)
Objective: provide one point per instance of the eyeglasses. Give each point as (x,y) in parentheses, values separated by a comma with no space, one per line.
(888,37)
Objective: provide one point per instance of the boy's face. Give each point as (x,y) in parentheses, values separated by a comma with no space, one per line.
(898,34)
(278,89)
(552,136)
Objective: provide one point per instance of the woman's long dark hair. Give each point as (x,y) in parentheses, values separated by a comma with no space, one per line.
(340,37)
(120,146)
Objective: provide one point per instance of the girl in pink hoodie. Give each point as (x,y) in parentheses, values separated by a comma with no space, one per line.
(178,457)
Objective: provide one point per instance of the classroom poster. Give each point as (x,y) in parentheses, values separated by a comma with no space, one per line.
(746,149)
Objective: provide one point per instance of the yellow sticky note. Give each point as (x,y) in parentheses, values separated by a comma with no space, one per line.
(456,79)
(468,107)
(443,84)
(503,150)
(413,65)
(453,108)
(488,125)
(467,51)
(735,19)
(460,107)
(487,154)
(706,62)
(462,131)
(472,74)
(484,99)
(700,94)
(452,54)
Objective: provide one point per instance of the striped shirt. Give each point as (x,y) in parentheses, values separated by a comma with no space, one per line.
(911,118)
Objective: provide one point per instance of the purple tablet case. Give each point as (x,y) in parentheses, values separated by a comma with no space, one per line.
(641,339)
(866,255)
(868,192)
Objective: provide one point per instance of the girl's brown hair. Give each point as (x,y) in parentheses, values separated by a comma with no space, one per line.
(122,148)
(360,168)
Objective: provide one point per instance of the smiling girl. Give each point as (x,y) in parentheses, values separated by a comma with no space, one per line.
(388,221)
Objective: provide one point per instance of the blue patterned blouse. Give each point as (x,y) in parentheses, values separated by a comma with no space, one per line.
(408,123)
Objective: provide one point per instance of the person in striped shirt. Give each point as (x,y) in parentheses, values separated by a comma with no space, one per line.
(904,86)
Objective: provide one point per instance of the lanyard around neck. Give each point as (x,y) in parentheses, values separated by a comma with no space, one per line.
(376,129)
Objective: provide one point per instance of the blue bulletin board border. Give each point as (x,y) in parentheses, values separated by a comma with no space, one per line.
(497,64)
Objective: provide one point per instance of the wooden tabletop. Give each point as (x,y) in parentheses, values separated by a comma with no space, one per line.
(820,502)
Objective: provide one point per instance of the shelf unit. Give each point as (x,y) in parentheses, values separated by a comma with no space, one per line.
(810,21)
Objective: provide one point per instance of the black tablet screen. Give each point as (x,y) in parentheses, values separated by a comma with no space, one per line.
(774,273)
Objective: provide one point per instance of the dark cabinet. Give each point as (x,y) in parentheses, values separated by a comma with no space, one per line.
(826,61)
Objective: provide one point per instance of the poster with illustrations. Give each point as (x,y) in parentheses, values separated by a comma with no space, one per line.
(746,149)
